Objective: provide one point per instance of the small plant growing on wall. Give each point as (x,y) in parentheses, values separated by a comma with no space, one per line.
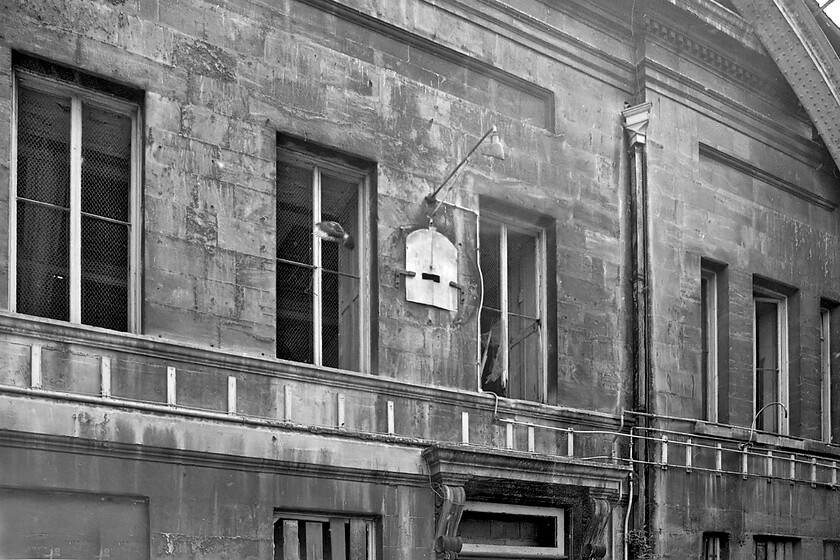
(640,544)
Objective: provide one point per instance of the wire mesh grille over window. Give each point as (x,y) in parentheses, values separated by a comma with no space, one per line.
(340,276)
(44,210)
(43,205)
(294,267)
(106,188)
(316,278)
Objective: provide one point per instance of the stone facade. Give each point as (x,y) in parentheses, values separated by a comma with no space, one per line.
(193,430)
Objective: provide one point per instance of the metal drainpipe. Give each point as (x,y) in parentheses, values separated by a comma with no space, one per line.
(636,120)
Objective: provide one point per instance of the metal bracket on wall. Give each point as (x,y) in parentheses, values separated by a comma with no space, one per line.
(398,274)
(452,500)
(461,290)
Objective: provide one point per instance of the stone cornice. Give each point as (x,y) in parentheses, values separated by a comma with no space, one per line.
(142,452)
(761,175)
(708,56)
(731,113)
(458,464)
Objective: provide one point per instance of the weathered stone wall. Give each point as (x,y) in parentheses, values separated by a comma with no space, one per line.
(718,181)
(201,505)
(736,178)
(407,85)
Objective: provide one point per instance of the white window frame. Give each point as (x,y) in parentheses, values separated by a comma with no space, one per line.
(362,249)
(783,380)
(79,95)
(505,223)
(369,523)
(711,329)
(825,371)
(469,550)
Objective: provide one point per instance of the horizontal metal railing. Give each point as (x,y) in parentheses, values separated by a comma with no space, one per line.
(665,447)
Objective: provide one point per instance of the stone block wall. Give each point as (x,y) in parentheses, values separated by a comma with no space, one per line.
(409,86)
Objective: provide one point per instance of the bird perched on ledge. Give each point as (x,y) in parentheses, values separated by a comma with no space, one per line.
(332,231)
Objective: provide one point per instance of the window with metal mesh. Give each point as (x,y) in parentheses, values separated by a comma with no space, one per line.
(510,323)
(43,205)
(47,280)
(318,280)
(106,201)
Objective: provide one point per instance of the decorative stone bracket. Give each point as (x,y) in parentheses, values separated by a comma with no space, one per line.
(450,506)
(593,534)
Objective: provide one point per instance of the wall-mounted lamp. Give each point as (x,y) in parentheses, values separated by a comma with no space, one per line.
(496,150)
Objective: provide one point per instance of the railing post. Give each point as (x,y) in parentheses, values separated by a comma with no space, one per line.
(570,443)
(35,366)
(813,472)
(769,468)
(719,459)
(340,420)
(689,458)
(792,468)
(745,465)
(390,414)
(664,457)
(231,395)
(465,427)
(105,376)
(287,403)
(171,386)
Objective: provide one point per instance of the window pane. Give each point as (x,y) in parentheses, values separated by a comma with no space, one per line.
(339,203)
(294,213)
(491,265)
(105,255)
(493,352)
(43,262)
(106,163)
(766,363)
(523,326)
(341,321)
(340,302)
(294,313)
(43,160)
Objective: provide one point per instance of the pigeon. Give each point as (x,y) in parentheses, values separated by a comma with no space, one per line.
(332,231)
